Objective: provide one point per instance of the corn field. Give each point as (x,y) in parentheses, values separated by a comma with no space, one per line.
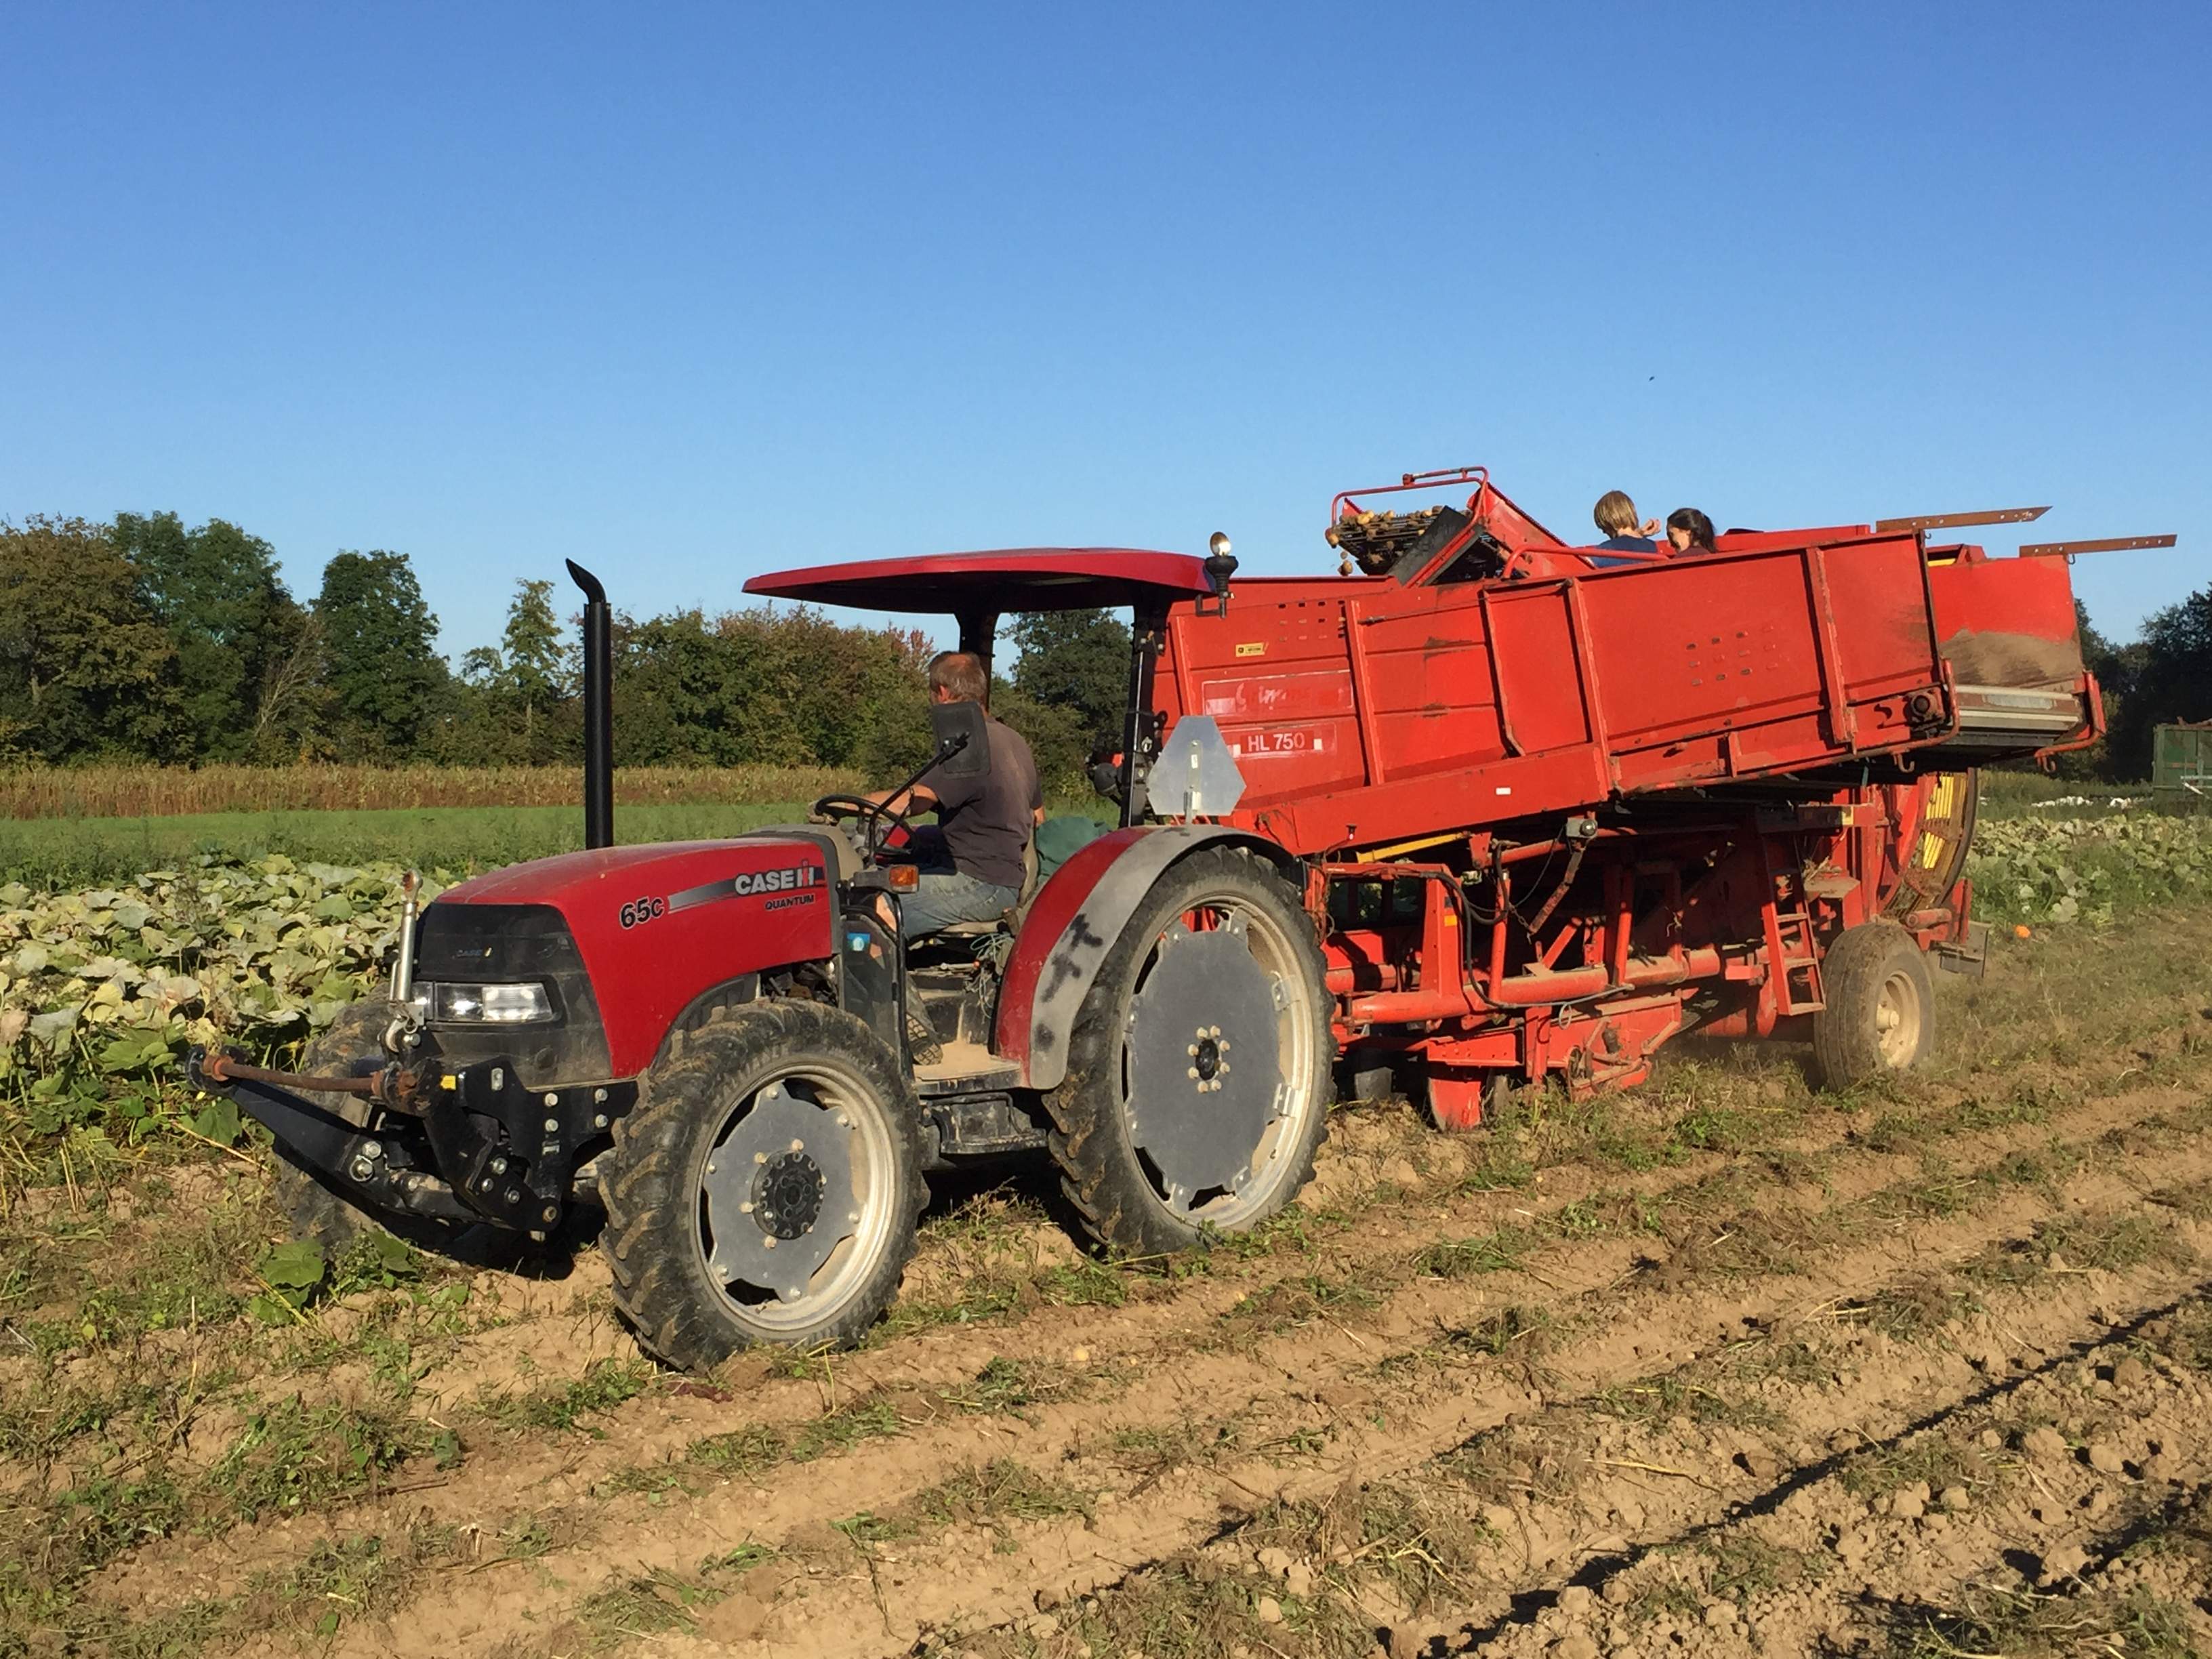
(141,791)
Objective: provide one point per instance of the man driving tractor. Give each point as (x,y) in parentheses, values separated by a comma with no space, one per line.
(974,864)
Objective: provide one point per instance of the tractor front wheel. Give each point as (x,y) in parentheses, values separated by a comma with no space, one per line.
(1881,1012)
(765,1186)
(1199,1070)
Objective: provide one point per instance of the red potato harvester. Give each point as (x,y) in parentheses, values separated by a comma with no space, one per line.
(1473,811)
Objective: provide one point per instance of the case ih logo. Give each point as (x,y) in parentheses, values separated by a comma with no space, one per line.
(795,880)
(765,881)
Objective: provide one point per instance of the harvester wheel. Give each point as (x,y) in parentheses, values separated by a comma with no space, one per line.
(317,1212)
(1199,1069)
(1881,1016)
(765,1188)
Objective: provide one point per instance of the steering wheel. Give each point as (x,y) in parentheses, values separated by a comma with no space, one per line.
(880,817)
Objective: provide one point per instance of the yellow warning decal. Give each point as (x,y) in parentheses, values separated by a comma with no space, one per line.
(1253,648)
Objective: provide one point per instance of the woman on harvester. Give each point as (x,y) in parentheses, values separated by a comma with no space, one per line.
(1691,532)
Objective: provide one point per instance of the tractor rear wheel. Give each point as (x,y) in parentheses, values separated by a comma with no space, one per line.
(765,1186)
(1199,1070)
(1881,1012)
(321,1211)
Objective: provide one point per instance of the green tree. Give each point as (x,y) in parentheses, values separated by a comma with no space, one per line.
(86,672)
(684,696)
(504,706)
(535,658)
(381,662)
(2109,662)
(765,686)
(2098,654)
(1077,660)
(1057,740)
(216,591)
(2168,678)
(291,715)
(842,690)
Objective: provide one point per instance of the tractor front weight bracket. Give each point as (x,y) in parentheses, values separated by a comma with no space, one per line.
(472,1142)
(519,1178)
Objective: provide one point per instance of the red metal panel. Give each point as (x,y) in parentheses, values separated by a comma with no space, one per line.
(1701,646)
(1767,746)
(1363,693)
(1275,675)
(711,912)
(2006,622)
(1703,642)
(1883,611)
(1560,782)
(1292,692)
(1843,729)
(1536,667)
(1054,908)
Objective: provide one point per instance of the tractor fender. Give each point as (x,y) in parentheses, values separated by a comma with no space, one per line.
(1073,922)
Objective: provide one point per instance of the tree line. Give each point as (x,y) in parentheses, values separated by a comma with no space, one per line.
(143,640)
(2163,677)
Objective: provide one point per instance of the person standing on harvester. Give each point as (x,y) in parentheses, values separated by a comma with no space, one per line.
(1615,514)
(972,868)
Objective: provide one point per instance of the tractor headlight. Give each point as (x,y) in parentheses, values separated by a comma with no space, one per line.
(490,1005)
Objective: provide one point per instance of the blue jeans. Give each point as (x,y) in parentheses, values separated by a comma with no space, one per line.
(944,898)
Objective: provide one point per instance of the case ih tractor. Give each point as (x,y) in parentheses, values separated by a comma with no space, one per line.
(1476,810)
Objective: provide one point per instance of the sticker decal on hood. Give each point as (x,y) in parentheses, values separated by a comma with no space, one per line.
(791,878)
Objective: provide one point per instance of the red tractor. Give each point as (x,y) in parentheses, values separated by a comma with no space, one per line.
(1476,809)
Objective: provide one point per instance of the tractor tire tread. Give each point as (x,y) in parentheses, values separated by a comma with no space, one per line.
(689,1025)
(649,1240)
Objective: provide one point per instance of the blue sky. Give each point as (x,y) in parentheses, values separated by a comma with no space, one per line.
(691,293)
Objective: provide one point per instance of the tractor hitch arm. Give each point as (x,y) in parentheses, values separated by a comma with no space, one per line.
(473,1144)
(363,1163)
(390,1086)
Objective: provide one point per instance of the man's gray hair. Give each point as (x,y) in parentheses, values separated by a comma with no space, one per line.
(959,675)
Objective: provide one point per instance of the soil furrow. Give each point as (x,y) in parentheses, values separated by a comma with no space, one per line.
(1650,1315)
(1171,1337)
(1720,1557)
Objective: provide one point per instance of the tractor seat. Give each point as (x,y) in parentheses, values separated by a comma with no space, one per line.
(1005,918)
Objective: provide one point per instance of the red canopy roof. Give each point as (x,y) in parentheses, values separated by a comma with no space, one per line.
(1013,579)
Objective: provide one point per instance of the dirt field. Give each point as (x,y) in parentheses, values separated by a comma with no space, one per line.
(1720,1367)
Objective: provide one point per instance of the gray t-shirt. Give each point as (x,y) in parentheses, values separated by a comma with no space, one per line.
(987,820)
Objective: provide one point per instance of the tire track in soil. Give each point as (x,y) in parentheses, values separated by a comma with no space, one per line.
(1292,1380)
(2130,1470)
(1151,1337)
(2062,1331)
(540,1332)
(938,1591)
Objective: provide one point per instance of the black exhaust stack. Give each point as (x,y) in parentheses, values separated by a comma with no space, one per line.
(599,712)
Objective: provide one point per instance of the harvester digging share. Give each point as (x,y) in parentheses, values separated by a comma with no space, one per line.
(1475,811)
